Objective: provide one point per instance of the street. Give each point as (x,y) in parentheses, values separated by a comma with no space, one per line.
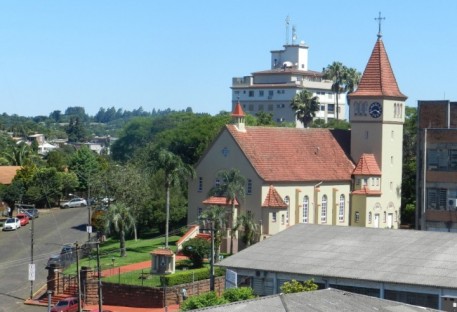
(54,228)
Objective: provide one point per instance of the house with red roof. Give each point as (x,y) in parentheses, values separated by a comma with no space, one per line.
(318,176)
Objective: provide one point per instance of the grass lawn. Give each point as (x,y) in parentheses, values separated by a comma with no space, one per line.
(137,251)
(133,278)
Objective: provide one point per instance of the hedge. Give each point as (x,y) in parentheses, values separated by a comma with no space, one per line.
(185,277)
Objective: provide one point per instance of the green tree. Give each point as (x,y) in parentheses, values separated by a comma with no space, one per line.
(216,215)
(119,219)
(20,155)
(85,164)
(305,106)
(76,131)
(175,172)
(294,286)
(45,187)
(232,187)
(265,119)
(408,186)
(250,229)
(344,80)
(196,249)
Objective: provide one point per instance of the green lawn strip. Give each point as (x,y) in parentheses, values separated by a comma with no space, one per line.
(137,251)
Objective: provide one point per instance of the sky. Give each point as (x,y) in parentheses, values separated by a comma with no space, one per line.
(184,53)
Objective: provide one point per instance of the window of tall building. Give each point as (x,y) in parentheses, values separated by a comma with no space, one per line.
(251,93)
(331,108)
(261,92)
(270,93)
(260,107)
(270,107)
(437,198)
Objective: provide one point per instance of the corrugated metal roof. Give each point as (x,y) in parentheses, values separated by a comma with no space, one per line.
(397,256)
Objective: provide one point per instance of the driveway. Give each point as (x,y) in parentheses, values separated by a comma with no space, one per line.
(54,228)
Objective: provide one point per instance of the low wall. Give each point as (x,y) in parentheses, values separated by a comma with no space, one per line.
(153,297)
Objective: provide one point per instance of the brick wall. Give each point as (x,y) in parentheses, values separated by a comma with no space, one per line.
(149,297)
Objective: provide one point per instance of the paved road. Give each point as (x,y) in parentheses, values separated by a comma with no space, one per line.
(52,229)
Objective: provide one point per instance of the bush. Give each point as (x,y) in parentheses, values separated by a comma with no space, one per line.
(238,294)
(196,249)
(294,286)
(185,277)
(201,301)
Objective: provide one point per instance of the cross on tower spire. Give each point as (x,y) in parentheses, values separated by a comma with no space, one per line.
(379,19)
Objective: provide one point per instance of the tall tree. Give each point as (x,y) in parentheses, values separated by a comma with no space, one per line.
(119,219)
(305,106)
(175,172)
(216,215)
(231,186)
(344,80)
(246,223)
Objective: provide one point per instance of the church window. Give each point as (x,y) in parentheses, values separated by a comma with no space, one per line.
(305,209)
(357,108)
(287,201)
(385,217)
(372,181)
(324,209)
(273,217)
(357,181)
(364,108)
(282,219)
(357,216)
(249,187)
(199,211)
(369,217)
(342,208)
(217,182)
(377,181)
(200,184)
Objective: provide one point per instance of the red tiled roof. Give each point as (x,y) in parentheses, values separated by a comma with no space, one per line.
(7,173)
(367,165)
(366,191)
(294,154)
(238,111)
(163,251)
(273,199)
(378,78)
(221,201)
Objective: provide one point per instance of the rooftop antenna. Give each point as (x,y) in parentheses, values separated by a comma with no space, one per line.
(379,19)
(294,34)
(287,29)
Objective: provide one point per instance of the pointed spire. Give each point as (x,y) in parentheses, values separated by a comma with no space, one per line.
(238,116)
(273,199)
(378,79)
(238,111)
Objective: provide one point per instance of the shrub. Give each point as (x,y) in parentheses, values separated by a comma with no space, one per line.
(238,294)
(196,249)
(185,277)
(294,286)
(201,301)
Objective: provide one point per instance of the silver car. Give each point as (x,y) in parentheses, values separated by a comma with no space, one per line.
(74,202)
(11,224)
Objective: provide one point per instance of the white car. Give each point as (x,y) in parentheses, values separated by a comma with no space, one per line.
(11,224)
(74,202)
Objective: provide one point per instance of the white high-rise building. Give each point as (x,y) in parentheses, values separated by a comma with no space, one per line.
(272,90)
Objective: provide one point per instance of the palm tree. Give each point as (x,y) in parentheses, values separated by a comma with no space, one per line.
(217,215)
(305,106)
(344,80)
(232,187)
(121,220)
(176,172)
(250,228)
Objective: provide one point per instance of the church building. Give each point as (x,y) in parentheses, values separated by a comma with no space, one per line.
(319,176)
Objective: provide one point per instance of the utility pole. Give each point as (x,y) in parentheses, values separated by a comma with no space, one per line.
(32,266)
(78,274)
(211,275)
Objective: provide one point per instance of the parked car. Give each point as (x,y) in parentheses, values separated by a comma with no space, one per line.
(66,305)
(23,218)
(11,224)
(74,202)
(66,257)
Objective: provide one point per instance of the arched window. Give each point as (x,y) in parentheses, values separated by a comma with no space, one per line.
(369,217)
(305,209)
(341,209)
(287,201)
(324,209)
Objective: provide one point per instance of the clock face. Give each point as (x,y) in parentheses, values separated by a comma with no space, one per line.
(375,110)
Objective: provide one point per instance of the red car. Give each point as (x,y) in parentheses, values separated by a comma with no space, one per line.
(66,305)
(23,218)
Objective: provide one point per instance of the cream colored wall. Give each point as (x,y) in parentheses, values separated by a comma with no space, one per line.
(296,194)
